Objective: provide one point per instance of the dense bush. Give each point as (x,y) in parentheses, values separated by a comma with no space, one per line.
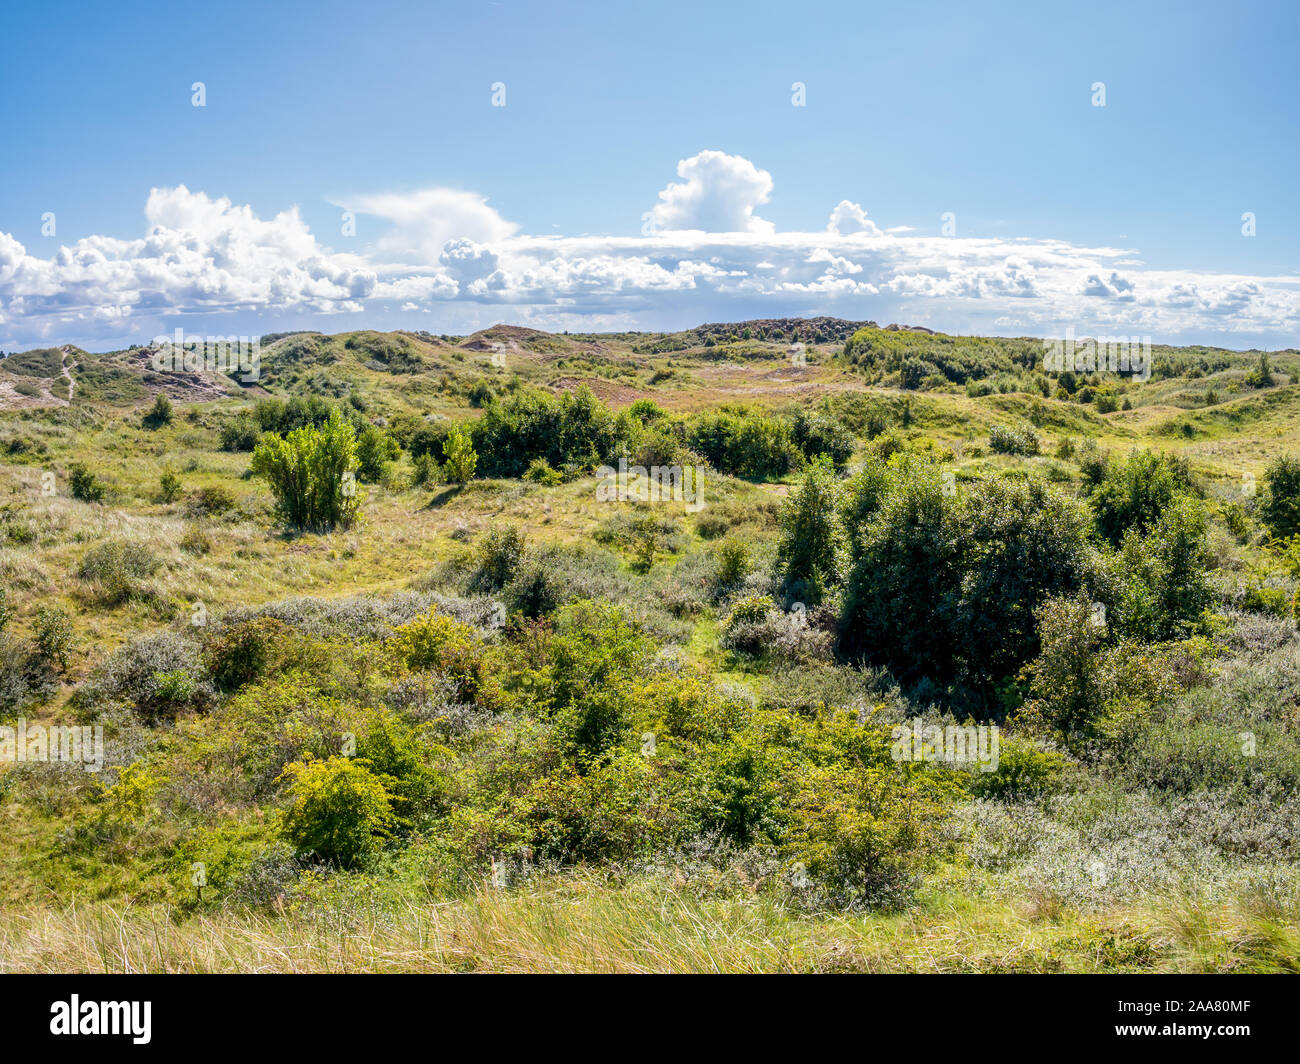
(118,568)
(375,453)
(309,473)
(1022,440)
(84,484)
(339,810)
(1280,506)
(744,444)
(460,460)
(1134,493)
(499,557)
(944,587)
(574,431)
(819,434)
(810,552)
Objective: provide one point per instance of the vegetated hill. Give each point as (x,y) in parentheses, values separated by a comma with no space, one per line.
(716,361)
(38,378)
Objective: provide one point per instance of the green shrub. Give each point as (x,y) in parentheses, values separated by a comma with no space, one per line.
(818,434)
(1024,771)
(744,444)
(376,451)
(117,568)
(1023,440)
(425,470)
(1134,493)
(84,484)
(574,431)
(169,487)
(1280,506)
(211,502)
(1160,575)
(436,643)
(944,586)
(810,552)
(53,637)
(339,811)
(311,473)
(459,457)
(160,414)
(499,556)
(240,433)
(732,562)
(242,653)
(539,471)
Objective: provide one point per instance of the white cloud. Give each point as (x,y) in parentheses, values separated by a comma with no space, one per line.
(849,217)
(423,221)
(449,254)
(718,195)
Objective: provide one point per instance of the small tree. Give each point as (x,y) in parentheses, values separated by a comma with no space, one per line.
(810,554)
(375,453)
(1066,678)
(312,472)
(340,811)
(53,636)
(160,413)
(169,487)
(1280,506)
(460,459)
(85,485)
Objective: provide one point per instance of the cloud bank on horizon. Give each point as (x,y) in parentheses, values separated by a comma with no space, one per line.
(447,261)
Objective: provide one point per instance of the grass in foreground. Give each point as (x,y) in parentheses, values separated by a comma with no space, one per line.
(572,924)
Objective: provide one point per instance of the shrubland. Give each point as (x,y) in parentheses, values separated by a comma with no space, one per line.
(473,712)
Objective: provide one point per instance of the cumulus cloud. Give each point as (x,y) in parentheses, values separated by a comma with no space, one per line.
(718,194)
(449,255)
(421,222)
(849,217)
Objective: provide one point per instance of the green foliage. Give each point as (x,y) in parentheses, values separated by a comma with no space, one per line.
(311,474)
(744,444)
(211,501)
(339,811)
(733,562)
(1280,506)
(1024,771)
(1022,440)
(376,451)
(1134,493)
(809,555)
(169,487)
(425,470)
(944,587)
(1066,679)
(574,431)
(117,568)
(920,355)
(53,636)
(436,643)
(1160,575)
(241,653)
(1262,375)
(160,414)
(459,457)
(499,557)
(818,434)
(539,471)
(84,484)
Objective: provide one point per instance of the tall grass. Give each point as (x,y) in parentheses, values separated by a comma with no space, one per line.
(573,924)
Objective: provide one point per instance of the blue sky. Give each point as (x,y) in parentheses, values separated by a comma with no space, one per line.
(1122,218)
